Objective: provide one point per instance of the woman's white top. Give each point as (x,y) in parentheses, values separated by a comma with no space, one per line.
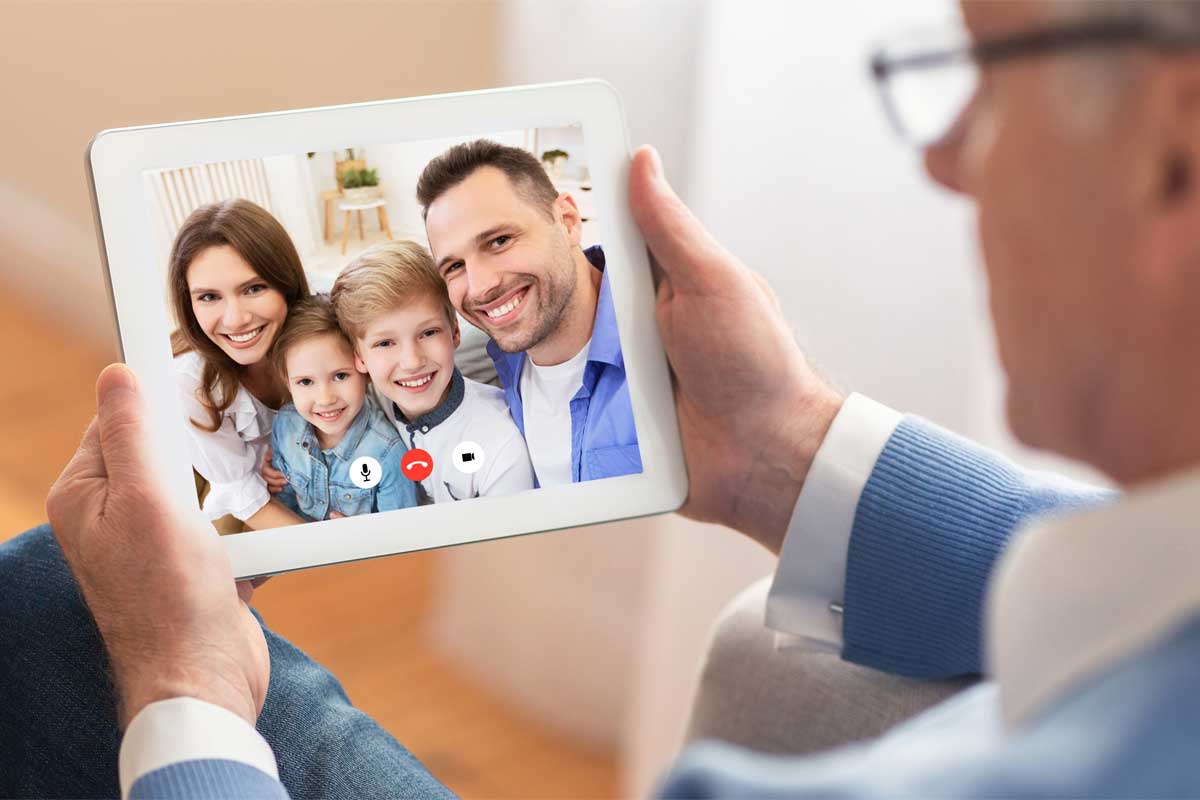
(230,457)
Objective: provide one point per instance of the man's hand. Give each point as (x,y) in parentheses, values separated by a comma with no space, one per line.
(752,412)
(155,577)
(276,480)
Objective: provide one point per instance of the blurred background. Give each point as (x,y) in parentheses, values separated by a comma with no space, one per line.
(550,666)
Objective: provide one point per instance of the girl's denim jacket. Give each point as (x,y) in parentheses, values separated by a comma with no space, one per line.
(319,481)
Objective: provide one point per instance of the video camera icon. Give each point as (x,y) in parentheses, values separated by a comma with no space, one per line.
(468,457)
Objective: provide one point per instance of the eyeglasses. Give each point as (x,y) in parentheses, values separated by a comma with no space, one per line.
(926,81)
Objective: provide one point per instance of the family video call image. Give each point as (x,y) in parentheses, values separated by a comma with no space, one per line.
(380,327)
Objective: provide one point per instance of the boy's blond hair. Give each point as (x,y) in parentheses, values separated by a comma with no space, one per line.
(383,278)
(306,319)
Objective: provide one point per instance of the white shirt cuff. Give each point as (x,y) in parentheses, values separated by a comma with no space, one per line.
(811,575)
(186,729)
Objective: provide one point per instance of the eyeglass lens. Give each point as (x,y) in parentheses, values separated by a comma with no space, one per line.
(926,102)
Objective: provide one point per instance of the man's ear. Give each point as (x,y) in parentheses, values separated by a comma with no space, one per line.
(1179,164)
(566,209)
(1178,178)
(1167,192)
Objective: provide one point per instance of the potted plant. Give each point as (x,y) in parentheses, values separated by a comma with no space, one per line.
(344,161)
(553,161)
(360,186)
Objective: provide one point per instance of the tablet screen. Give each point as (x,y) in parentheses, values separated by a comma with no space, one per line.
(385,326)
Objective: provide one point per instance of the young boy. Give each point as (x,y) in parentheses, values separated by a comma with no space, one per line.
(391,301)
(330,422)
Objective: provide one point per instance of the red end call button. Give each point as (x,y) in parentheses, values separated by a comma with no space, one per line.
(417,465)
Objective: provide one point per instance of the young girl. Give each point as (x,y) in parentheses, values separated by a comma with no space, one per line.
(331,422)
(233,275)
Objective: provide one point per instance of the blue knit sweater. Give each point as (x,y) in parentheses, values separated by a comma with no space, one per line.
(934,517)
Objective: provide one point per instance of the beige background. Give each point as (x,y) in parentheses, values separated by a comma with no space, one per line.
(73,69)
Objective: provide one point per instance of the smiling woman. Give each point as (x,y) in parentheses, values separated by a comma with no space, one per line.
(233,275)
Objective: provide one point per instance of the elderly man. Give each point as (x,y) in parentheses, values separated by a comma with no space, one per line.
(890,530)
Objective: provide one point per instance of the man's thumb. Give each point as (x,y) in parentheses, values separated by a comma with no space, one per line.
(687,253)
(120,415)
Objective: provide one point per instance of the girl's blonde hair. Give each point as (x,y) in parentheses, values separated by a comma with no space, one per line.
(383,278)
(314,316)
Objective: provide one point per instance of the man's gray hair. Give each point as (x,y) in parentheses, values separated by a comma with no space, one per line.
(1176,16)
(1090,85)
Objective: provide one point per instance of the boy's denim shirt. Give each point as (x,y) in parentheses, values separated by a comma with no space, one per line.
(319,482)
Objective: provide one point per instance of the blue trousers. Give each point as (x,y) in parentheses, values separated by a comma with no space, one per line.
(58,726)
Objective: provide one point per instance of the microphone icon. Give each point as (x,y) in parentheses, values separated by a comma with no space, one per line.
(365,472)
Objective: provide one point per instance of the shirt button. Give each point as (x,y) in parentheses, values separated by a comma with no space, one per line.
(320,502)
(347,496)
(424,429)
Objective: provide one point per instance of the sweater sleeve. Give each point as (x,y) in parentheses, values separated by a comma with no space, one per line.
(935,515)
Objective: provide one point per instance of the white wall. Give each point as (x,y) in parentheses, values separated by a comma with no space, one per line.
(569,139)
(399,166)
(287,185)
(290,181)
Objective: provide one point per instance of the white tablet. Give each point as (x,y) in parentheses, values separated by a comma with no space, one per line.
(433,317)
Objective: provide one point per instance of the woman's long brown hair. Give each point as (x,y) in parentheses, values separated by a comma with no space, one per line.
(263,243)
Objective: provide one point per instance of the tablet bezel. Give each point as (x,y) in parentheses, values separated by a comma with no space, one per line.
(115,162)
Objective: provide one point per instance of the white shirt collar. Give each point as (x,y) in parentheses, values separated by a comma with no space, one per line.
(1076,594)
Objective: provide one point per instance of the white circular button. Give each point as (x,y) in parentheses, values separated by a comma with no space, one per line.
(468,457)
(365,472)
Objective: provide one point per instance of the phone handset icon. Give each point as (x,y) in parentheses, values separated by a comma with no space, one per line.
(417,464)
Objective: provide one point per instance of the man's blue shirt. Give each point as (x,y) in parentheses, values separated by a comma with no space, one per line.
(603,437)
(319,481)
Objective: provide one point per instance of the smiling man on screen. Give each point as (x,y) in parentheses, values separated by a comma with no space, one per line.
(508,246)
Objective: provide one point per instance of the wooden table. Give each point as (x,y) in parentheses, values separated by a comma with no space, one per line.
(327,200)
(358,208)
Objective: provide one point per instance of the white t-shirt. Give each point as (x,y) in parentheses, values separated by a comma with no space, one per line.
(482,418)
(230,457)
(546,394)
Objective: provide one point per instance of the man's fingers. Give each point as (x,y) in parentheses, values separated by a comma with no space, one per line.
(686,253)
(245,591)
(120,420)
(87,464)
